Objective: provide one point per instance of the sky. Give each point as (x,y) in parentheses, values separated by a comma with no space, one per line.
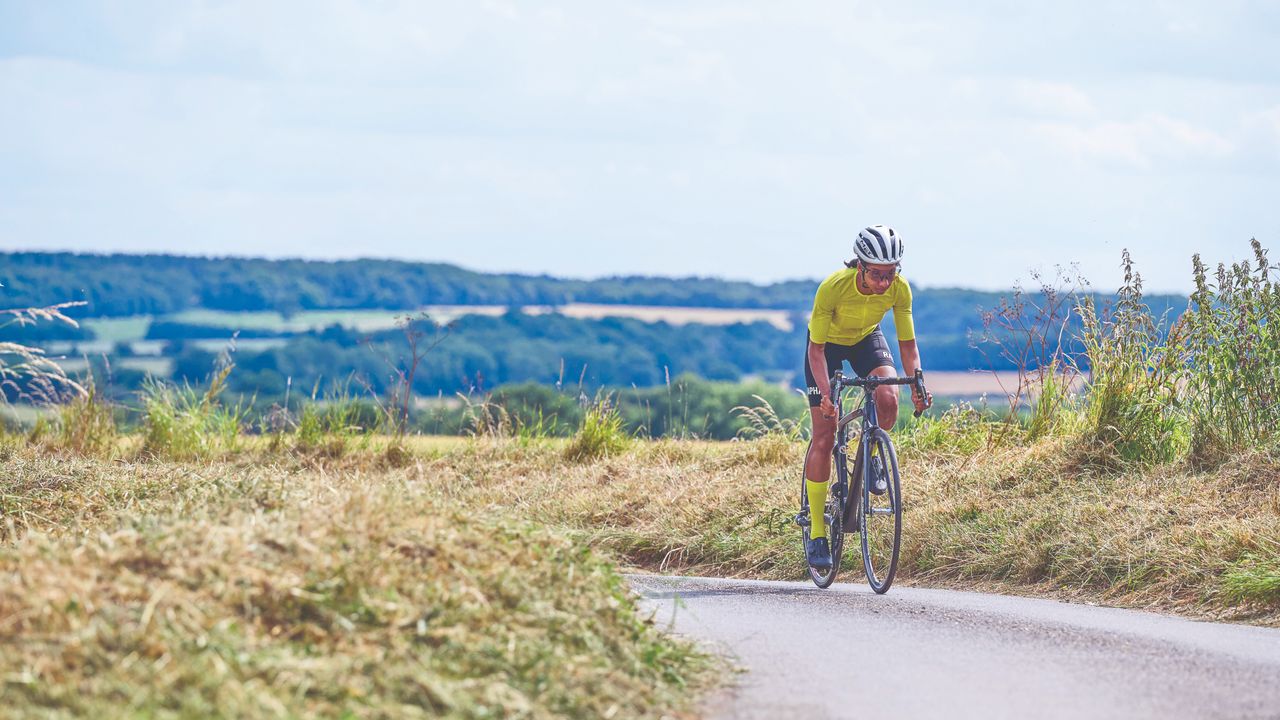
(745,140)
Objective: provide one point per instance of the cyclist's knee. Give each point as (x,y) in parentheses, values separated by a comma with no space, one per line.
(887,397)
(824,437)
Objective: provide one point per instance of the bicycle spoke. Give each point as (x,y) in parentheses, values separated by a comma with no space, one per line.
(882,515)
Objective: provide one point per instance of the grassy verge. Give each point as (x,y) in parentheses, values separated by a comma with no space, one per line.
(452,577)
(1033,518)
(260,585)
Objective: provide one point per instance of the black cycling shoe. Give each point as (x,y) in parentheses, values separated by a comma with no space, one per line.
(878,482)
(818,552)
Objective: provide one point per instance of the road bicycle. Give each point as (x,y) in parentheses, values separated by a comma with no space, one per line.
(852,506)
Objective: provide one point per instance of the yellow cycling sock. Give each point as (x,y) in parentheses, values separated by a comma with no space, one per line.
(817,502)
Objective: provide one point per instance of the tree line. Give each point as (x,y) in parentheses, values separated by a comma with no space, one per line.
(122,284)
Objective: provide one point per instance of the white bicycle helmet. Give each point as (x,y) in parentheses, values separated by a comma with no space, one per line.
(879,245)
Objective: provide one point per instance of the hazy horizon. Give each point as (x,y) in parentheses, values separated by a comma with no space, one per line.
(1027,280)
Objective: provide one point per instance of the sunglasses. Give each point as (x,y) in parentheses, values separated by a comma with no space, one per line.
(878,276)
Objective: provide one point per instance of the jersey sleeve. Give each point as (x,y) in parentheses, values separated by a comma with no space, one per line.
(902,313)
(824,309)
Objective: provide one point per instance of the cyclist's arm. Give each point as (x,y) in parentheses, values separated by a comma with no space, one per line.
(908,350)
(910,354)
(819,324)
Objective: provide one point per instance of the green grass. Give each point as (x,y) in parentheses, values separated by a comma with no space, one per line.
(1256,577)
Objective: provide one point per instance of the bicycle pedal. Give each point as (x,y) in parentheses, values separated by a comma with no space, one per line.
(802,519)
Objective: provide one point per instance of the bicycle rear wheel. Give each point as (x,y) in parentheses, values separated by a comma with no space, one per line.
(881,515)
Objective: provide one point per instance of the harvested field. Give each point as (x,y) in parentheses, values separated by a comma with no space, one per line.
(968,384)
(672,315)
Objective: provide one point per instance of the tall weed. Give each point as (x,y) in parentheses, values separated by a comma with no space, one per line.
(1029,332)
(1054,402)
(763,421)
(773,436)
(1232,345)
(484,418)
(87,423)
(1131,409)
(25,371)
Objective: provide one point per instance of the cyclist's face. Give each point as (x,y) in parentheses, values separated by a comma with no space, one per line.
(878,277)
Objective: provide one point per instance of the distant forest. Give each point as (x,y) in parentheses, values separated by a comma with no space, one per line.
(120,285)
(476,353)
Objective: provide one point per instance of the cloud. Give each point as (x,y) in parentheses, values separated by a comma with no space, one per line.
(743,138)
(1054,99)
(1152,141)
(1263,131)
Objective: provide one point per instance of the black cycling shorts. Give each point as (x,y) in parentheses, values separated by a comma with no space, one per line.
(868,354)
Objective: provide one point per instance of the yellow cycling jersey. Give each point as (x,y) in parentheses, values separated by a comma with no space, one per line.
(843,315)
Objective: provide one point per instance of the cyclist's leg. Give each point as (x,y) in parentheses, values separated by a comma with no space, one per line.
(817,462)
(871,356)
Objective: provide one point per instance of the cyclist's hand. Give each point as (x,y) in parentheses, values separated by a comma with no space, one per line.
(922,403)
(827,408)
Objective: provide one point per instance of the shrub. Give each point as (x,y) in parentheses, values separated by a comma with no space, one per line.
(600,434)
(183,424)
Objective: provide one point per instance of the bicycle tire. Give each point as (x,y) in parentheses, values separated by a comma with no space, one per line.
(881,516)
(835,528)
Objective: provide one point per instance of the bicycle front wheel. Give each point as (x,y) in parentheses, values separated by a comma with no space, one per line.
(881,515)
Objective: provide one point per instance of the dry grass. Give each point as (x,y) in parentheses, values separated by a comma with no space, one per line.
(451,577)
(983,510)
(1029,519)
(270,586)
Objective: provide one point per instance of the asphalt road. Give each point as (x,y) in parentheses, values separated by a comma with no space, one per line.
(845,652)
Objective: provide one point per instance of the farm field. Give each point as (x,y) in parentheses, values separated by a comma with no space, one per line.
(157,366)
(971,384)
(108,331)
(673,315)
(118,329)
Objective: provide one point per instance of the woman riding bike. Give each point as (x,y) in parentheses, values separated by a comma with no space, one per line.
(845,325)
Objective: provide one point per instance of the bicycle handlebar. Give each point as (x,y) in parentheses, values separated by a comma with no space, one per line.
(875,381)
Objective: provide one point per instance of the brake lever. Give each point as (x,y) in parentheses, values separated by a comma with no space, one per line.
(919,385)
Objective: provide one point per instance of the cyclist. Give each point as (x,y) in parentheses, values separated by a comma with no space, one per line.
(845,325)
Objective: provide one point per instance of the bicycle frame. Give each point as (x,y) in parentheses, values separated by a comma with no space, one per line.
(870,419)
